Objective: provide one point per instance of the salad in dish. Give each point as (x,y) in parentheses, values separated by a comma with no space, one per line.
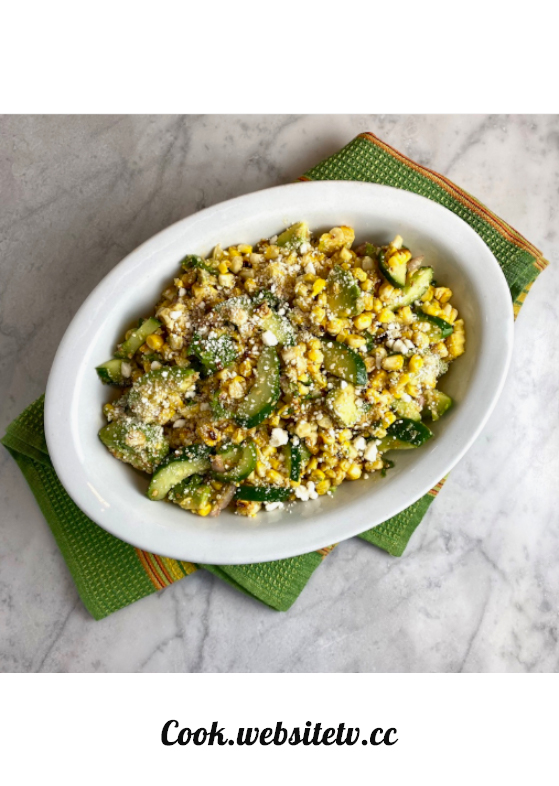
(271,374)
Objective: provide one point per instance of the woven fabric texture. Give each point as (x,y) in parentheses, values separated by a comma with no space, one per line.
(110,574)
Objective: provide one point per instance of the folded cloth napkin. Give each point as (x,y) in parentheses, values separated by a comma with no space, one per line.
(110,574)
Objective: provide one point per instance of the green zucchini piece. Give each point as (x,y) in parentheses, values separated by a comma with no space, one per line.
(371,251)
(110,373)
(149,392)
(185,488)
(263,493)
(281,327)
(215,354)
(296,459)
(133,442)
(342,403)
(343,294)
(439,328)
(392,443)
(239,461)
(344,362)
(394,271)
(294,236)
(265,296)
(264,394)
(129,347)
(192,261)
(407,409)
(194,459)
(437,403)
(407,430)
(417,285)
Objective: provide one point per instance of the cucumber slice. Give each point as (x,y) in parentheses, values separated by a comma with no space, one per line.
(437,403)
(417,286)
(393,269)
(342,403)
(192,261)
(407,430)
(136,443)
(281,327)
(129,348)
(264,394)
(343,294)
(296,459)
(344,362)
(215,354)
(262,493)
(294,236)
(239,461)
(110,373)
(191,460)
(439,328)
(407,409)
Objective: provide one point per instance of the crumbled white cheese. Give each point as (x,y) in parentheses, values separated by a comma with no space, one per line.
(296,441)
(405,397)
(304,248)
(273,505)
(311,489)
(155,365)
(125,369)
(279,437)
(182,292)
(175,314)
(359,444)
(399,346)
(343,384)
(204,406)
(269,339)
(302,493)
(179,423)
(310,268)
(370,453)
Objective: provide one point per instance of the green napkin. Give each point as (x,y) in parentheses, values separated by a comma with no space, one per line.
(110,574)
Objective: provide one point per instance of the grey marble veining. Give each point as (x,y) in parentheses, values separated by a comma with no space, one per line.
(478,588)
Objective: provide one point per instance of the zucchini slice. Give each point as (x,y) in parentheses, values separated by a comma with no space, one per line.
(392,443)
(110,373)
(133,442)
(294,236)
(264,394)
(193,261)
(407,409)
(281,327)
(343,294)
(343,405)
(129,348)
(296,459)
(417,285)
(412,431)
(192,460)
(239,461)
(437,403)
(439,328)
(344,362)
(215,354)
(393,269)
(263,493)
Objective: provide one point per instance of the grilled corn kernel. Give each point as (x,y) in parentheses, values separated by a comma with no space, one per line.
(388,419)
(154,342)
(315,355)
(368,302)
(363,321)
(415,363)
(393,363)
(420,339)
(342,336)
(318,313)
(251,286)
(322,487)
(144,348)
(412,390)
(405,315)
(233,251)
(236,265)
(386,316)
(223,267)
(359,274)
(244,249)
(443,294)
(318,286)
(354,472)
(385,291)
(205,510)
(272,252)
(334,326)
(428,295)
(432,308)
(396,243)
(441,349)
(317,474)
(355,342)
(367,285)
(260,469)
(274,420)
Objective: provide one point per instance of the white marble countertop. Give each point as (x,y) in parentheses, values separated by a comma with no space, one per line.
(478,587)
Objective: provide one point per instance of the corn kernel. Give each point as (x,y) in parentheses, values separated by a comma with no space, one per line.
(315,355)
(412,390)
(144,348)
(388,419)
(432,309)
(393,363)
(322,487)
(363,321)
(443,294)
(244,249)
(251,286)
(415,363)
(313,464)
(342,335)
(205,510)
(317,474)
(354,472)
(405,315)
(428,295)
(420,339)
(272,252)
(359,274)
(386,316)
(233,251)
(223,267)
(154,342)
(368,302)
(355,342)
(441,349)
(396,243)
(367,285)
(334,326)
(318,313)
(274,420)
(318,286)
